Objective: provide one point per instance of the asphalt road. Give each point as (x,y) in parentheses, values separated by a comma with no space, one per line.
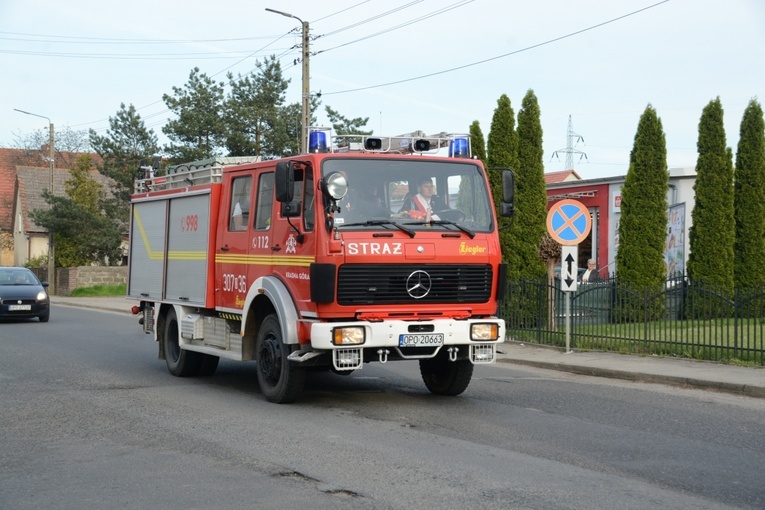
(91,419)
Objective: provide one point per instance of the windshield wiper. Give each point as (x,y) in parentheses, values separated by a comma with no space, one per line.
(467,231)
(376,223)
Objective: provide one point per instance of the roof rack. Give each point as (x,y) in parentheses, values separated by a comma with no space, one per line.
(205,171)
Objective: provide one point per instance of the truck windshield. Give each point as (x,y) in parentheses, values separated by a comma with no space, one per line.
(413,193)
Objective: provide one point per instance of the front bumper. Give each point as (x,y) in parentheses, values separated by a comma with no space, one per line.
(382,340)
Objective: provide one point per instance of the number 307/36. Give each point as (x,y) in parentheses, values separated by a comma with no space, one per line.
(234,283)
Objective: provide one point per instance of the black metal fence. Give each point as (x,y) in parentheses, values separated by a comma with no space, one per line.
(679,318)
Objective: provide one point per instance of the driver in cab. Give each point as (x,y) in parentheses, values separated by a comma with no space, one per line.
(422,205)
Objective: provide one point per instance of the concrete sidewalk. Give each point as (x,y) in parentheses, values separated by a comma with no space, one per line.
(747,381)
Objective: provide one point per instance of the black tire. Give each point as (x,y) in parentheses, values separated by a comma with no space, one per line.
(208,365)
(279,379)
(180,363)
(44,318)
(444,377)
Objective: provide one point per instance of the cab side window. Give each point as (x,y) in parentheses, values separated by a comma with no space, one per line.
(239,207)
(265,201)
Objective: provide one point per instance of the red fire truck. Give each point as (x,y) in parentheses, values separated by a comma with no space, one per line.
(323,261)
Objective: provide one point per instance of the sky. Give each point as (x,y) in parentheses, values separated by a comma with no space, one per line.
(430,65)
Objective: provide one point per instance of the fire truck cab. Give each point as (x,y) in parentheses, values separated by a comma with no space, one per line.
(365,249)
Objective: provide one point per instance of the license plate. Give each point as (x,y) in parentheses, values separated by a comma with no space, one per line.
(421,340)
(19,308)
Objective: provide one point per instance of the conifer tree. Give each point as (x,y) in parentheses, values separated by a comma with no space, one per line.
(502,152)
(643,222)
(477,142)
(198,131)
(749,200)
(712,234)
(530,222)
(125,144)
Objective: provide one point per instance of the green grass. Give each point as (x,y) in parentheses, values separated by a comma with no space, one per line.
(740,342)
(100,290)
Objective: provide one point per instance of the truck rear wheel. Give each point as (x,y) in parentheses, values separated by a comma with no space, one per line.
(279,379)
(444,377)
(180,363)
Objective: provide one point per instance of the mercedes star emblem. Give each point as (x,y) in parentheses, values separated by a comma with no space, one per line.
(418,284)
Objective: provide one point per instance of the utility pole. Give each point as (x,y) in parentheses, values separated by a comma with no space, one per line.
(306,111)
(52,168)
(569,150)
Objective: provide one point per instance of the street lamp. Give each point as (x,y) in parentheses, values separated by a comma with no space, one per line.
(51,253)
(306,88)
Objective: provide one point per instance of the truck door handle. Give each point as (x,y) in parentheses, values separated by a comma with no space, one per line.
(224,248)
(276,248)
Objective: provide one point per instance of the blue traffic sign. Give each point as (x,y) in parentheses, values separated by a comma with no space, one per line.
(569,222)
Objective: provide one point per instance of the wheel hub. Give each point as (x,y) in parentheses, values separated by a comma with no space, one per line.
(269,360)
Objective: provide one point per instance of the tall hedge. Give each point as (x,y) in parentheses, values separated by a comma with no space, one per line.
(643,223)
(749,200)
(478,142)
(712,234)
(502,152)
(530,223)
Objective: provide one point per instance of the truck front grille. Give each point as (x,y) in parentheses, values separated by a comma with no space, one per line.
(413,283)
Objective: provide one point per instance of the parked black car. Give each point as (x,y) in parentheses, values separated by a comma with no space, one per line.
(22,295)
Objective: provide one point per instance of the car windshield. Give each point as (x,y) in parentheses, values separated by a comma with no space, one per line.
(394,193)
(17,278)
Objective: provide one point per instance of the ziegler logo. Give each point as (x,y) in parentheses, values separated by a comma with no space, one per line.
(374,249)
(465,249)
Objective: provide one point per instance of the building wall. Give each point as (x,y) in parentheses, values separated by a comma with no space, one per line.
(70,278)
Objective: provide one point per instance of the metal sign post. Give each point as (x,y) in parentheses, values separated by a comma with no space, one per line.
(569,223)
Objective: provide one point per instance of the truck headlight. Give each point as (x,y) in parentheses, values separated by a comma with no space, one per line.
(484,331)
(348,335)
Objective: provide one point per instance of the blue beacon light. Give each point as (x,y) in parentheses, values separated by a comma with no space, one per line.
(317,141)
(458,148)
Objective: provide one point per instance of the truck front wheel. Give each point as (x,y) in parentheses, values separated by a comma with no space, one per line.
(180,363)
(280,380)
(444,377)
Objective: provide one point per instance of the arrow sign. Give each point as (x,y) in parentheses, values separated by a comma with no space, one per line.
(569,268)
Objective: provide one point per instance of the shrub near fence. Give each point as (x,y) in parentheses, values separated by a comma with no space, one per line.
(686,319)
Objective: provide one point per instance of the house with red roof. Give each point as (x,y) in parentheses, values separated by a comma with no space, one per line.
(24,176)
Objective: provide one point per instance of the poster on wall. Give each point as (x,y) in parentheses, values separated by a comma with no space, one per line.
(674,250)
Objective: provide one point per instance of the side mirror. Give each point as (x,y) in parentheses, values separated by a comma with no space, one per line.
(507,207)
(284,181)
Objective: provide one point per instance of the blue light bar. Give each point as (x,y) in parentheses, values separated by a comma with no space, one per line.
(317,141)
(458,148)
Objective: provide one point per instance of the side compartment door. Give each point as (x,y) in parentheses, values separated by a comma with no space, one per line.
(147,249)
(187,243)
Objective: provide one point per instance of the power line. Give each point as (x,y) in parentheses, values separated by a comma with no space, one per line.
(534,46)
